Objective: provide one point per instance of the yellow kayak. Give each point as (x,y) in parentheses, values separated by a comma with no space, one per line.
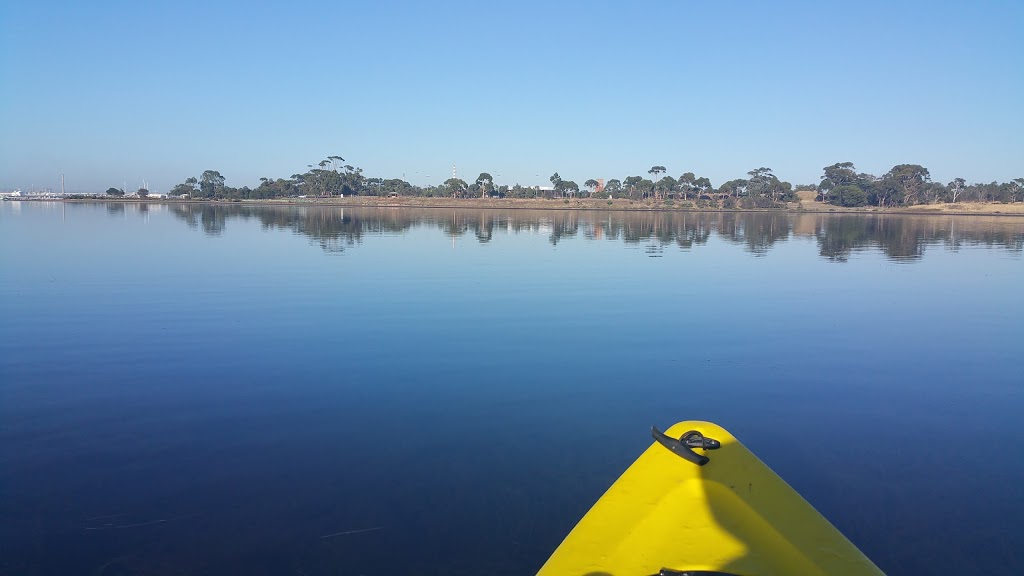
(698,501)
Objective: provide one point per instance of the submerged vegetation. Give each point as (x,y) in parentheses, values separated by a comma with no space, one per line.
(840,184)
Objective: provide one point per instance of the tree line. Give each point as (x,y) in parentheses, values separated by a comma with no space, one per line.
(907,185)
(840,184)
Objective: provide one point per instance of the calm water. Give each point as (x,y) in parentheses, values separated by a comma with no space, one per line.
(214,390)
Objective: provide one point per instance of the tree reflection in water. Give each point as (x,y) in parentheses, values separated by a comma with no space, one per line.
(899,237)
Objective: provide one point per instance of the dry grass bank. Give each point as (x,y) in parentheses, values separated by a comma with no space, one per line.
(807,203)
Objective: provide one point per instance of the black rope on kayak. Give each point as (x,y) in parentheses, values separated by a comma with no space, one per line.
(667,572)
(684,446)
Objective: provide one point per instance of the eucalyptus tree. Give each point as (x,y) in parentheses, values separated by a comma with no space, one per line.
(646,187)
(665,185)
(591,185)
(840,174)
(1015,187)
(211,183)
(654,172)
(764,184)
(556,182)
(631,183)
(933,192)
(486,183)
(883,193)
(735,188)
(850,196)
(825,188)
(299,181)
(760,182)
(687,184)
(702,186)
(320,176)
(457,186)
(909,179)
(178,190)
(353,179)
(613,187)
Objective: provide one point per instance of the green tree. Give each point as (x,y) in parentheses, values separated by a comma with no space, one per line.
(646,188)
(211,183)
(117,192)
(825,188)
(735,188)
(909,180)
(840,174)
(457,186)
(181,190)
(882,193)
(486,184)
(687,184)
(556,182)
(591,185)
(654,172)
(764,184)
(1016,188)
(613,187)
(703,186)
(850,196)
(632,183)
(665,186)
(761,182)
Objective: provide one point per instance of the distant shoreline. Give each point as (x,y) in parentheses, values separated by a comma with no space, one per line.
(617,205)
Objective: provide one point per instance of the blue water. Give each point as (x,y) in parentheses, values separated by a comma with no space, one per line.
(211,390)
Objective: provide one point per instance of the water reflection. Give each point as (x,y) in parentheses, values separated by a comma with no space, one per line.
(900,237)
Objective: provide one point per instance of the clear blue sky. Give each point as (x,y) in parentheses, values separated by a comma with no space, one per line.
(112,92)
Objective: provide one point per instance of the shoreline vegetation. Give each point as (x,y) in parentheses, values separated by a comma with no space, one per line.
(805,204)
(906,187)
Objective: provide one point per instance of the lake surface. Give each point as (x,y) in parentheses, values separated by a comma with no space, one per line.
(310,391)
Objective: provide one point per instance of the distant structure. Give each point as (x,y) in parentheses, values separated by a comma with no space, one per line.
(600,186)
(453,169)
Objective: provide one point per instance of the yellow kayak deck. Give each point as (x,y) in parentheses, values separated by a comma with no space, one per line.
(732,515)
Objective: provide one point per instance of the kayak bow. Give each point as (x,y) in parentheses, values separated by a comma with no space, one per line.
(704,504)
